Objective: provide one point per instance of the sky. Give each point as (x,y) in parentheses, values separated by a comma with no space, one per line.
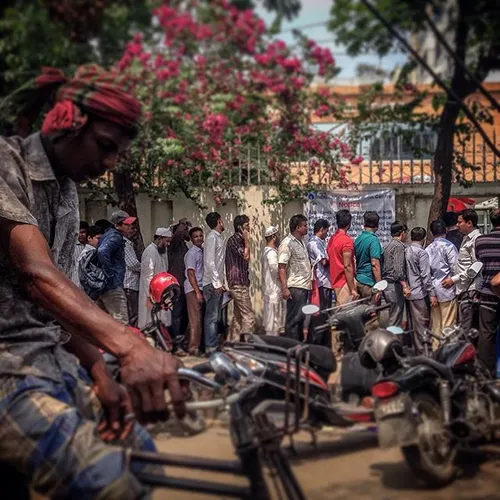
(317,11)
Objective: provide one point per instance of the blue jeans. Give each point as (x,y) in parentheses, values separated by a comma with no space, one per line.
(213,307)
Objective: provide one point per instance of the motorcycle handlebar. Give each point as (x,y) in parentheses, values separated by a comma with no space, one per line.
(381,308)
(198,378)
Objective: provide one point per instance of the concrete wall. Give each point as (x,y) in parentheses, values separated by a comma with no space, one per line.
(412,206)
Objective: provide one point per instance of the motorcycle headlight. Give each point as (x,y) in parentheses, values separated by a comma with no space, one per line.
(247,363)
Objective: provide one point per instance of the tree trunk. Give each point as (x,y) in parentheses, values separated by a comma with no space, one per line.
(124,189)
(443,161)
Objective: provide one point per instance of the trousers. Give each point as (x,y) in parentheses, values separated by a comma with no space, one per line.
(294,322)
(114,302)
(132,306)
(213,308)
(195,315)
(394,296)
(420,316)
(243,321)
(489,320)
(323,338)
(49,436)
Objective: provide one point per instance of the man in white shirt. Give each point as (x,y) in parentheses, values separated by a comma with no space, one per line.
(213,279)
(465,289)
(131,280)
(273,300)
(154,260)
(295,274)
(193,286)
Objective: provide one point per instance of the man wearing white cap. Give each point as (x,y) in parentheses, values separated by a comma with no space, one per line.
(273,300)
(154,260)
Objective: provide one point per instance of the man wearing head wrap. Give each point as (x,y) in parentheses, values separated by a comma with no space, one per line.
(49,414)
(154,260)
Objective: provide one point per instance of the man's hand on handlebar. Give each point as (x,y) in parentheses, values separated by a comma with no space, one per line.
(146,372)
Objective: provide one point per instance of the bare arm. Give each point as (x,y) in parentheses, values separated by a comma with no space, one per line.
(192,280)
(377,273)
(282,277)
(349,271)
(51,289)
(144,369)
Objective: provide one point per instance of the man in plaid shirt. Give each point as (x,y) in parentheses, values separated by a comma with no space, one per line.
(131,281)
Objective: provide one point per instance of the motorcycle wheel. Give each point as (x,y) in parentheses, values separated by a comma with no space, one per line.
(433,458)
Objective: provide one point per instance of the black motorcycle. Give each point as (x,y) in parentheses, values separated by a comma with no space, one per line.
(431,406)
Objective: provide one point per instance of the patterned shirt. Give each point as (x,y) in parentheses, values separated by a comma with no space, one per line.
(31,194)
(132,267)
(443,256)
(237,269)
(293,253)
(488,252)
(79,248)
(316,248)
(394,268)
(466,257)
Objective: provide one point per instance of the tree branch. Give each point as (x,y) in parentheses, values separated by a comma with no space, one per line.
(459,62)
(434,75)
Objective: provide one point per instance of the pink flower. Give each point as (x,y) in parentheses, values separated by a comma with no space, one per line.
(358,160)
(291,64)
(187,172)
(323,110)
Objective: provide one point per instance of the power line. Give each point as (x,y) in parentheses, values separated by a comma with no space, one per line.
(305,27)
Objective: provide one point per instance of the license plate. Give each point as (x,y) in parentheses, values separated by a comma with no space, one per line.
(391,407)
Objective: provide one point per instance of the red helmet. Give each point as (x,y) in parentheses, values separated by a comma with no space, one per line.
(164,290)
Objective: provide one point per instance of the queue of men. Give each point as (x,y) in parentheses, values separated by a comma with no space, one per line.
(427,286)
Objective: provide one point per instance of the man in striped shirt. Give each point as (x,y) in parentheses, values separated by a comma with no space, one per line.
(238,277)
(394,271)
(488,252)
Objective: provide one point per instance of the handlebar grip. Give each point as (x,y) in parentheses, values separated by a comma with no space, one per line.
(204,367)
(198,378)
(322,328)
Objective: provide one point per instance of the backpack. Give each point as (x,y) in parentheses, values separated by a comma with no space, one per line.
(92,277)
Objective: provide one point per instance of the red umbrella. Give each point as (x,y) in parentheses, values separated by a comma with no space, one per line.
(458,204)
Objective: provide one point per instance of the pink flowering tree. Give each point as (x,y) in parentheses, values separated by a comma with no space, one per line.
(216,89)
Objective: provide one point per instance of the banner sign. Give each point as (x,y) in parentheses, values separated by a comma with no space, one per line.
(324,205)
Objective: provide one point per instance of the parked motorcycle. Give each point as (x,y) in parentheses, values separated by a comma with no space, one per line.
(349,323)
(432,405)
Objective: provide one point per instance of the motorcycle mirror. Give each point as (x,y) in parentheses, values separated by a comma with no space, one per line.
(224,368)
(474,270)
(310,309)
(396,330)
(380,286)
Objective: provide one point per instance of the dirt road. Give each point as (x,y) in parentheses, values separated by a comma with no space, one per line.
(347,466)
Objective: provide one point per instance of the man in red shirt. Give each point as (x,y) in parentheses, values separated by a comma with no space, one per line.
(341,256)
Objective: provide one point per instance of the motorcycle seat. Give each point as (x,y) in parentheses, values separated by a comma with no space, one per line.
(319,356)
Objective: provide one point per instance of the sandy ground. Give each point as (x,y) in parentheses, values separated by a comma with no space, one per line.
(344,466)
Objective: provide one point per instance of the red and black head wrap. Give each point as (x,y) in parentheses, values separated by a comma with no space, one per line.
(92,90)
